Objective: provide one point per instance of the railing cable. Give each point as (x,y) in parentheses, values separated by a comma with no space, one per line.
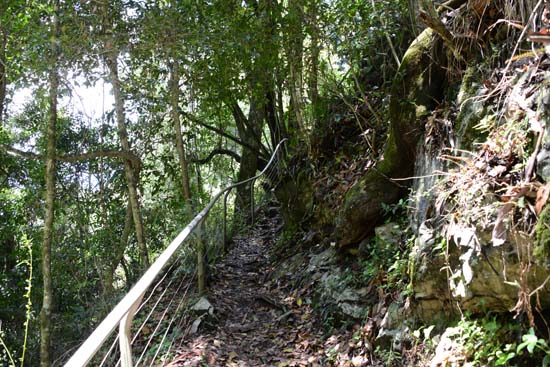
(151,294)
(168,328)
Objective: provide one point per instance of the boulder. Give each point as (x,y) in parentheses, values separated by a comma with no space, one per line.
(478,277)
(203,306)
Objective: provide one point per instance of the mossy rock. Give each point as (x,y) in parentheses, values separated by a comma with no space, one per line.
(472,110)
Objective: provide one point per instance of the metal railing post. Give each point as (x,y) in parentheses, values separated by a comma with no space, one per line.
(125,335)
(252,202)
(224,243)
(201,267)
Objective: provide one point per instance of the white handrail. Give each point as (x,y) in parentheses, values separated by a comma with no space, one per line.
(121,312)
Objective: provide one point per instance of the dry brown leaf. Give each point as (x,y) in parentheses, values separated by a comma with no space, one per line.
(510,198)
(497,170)
(232,356)
(499,230)
(543,194)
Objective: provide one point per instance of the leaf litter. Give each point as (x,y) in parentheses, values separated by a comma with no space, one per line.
(260,321)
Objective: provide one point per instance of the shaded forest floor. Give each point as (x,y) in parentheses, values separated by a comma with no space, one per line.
(259,320)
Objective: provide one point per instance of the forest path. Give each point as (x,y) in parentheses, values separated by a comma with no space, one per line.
(256,321)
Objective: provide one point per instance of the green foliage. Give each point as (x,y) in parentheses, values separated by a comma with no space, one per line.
(484,342)
(542,237)
(478,339)
(388,356)
(28,263)
(533,345)
(387,263)
(396,211)
(228,52)
(357,31)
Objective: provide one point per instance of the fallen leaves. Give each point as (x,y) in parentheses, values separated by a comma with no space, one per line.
(258,322)
(543,193)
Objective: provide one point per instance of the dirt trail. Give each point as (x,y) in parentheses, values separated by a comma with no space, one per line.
(256,321)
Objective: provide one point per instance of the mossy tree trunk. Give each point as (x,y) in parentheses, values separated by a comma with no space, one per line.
(3,77)
(416,89)
(249,132)
(51,132)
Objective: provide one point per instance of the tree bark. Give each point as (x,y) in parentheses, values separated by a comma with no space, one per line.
(270,61)
(111,59)
(202,264)
(128,168)
(180,146)
(218,131)
(47,300)
(3,77)
(313,75)
(248,129)
(116,258)
(295,54)
(218,151)
(416,90)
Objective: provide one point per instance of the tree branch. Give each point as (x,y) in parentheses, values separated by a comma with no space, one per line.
(244,127)
(136,162)
(218,151)
(20,153)
(217,130)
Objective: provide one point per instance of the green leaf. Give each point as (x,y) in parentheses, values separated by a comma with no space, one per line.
(529,341)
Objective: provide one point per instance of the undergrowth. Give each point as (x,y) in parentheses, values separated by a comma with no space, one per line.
(481,342)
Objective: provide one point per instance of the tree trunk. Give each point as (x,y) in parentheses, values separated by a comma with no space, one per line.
(3,77)
(180,146)
(202,263)
(295,53)
(46,312)
(248,130)
(114,260)
(416,89)
(276,128)
(184,171)
(131,172)
(313,76)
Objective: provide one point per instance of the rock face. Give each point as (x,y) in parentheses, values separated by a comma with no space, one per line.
(393,331)
(542,238)
(474,274)
(457,261)
(543,158)
(333,288)
(334,292)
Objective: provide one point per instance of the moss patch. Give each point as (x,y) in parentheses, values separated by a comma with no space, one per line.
(542,237)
